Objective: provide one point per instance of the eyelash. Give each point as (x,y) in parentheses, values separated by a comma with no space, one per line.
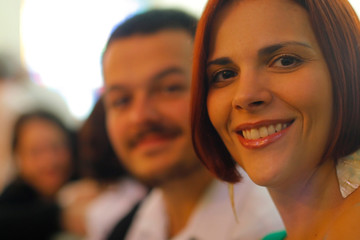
(121,102)
(172,88)
(214,77)
(297,61)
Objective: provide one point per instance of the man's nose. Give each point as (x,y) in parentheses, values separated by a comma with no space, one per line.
(143,109)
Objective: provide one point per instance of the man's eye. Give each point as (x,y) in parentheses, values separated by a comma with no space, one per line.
(223,75)
(286,61)
(169,89)
(173,88)
(120,101)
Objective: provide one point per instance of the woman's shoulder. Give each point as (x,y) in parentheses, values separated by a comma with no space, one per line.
(275,236)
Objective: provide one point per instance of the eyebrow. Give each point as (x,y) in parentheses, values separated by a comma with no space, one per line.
(157,77)
(262,52)
(113,88)
(220,61)
(166,72)
(273,48)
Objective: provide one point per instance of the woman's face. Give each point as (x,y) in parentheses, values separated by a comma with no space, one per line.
(43,155)
(270,94)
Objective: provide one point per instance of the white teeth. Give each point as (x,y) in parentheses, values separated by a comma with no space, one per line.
(248,133)
(278,127)
(271,129)
(255,133)
(264,131)
(245,134)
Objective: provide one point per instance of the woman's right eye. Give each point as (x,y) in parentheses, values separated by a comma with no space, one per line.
(223,75)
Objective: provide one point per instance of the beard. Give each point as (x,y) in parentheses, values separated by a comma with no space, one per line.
(182,169)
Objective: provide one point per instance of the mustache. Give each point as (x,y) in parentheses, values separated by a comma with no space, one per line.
(159,129)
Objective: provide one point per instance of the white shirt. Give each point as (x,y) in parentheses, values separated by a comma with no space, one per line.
(107,209)
(213,218)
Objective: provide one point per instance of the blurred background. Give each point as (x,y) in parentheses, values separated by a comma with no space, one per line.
(60,42)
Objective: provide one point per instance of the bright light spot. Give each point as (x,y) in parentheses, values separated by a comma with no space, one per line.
(63,42)
(356,5)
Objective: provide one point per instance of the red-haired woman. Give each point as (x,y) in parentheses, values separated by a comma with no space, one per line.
(276,89)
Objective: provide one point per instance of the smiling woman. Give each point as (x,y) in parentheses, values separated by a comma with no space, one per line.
(272,93)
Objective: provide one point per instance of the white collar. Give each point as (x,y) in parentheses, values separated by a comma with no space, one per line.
(348,172)
(150,222)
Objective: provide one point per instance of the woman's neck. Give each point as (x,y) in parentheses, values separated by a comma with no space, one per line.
(308,206)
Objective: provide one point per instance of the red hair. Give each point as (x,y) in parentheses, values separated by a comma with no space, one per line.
(337,29)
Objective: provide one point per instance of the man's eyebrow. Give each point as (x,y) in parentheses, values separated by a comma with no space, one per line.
(219,61)
(113,88)
(273,48)
(158,76)
(165,72)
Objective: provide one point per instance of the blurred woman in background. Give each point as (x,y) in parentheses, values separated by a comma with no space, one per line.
(42,149)
(19,95)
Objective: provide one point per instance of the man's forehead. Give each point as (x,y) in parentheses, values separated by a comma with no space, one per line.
(140,58)
(166,42)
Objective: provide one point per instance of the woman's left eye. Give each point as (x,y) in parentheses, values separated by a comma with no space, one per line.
(286,61)
(223,75)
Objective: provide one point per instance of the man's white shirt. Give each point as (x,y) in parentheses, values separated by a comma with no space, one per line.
(213,218)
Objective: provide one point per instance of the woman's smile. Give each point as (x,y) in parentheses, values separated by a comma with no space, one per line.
(262,133)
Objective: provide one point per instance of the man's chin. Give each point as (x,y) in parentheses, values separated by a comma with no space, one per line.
(164,176)
(154,179)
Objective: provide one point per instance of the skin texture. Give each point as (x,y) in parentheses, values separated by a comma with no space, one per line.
(43,156)
(147,98)
(266,69)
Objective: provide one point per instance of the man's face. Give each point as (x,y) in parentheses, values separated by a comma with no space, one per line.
(147,94)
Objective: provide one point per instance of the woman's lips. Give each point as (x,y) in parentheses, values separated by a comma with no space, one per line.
(261,134)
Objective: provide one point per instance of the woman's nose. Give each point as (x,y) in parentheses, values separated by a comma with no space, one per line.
(252,93)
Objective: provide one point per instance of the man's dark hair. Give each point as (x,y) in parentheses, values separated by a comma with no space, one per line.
(153,21)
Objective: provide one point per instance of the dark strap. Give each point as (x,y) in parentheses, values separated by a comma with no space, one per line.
(122,227)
